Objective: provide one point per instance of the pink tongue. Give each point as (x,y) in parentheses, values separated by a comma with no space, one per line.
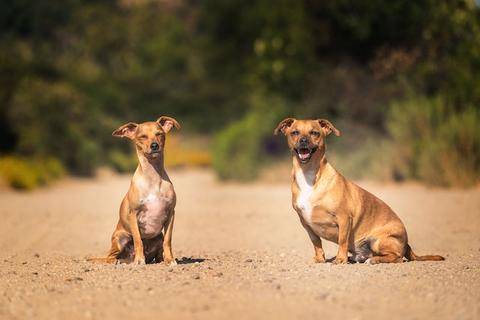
(304,154)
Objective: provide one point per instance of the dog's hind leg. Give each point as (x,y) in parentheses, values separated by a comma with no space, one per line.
(102,260)
(388,258)
(387,250)
(362,251)
(120,239)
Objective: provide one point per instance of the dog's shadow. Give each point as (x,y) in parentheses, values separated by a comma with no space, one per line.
(350,260)
(190,260)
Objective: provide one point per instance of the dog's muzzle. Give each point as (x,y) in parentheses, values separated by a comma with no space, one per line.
(154,154)
(304,152)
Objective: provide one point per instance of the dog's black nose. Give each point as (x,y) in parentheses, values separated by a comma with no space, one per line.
(303,140)
(154,146)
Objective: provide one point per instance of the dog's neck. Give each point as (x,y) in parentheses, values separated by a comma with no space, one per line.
(318,168)
(151,169)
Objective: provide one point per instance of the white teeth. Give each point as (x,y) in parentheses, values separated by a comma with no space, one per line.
(303,156)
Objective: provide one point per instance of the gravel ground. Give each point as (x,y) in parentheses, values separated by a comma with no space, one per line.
(241,254)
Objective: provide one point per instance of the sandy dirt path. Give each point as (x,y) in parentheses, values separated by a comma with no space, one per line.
(242,255)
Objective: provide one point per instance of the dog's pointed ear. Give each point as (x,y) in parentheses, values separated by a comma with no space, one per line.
(283,125)
(167,123)
(126,131)
(328,127)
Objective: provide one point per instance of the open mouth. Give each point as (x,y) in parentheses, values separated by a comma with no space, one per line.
(304,154)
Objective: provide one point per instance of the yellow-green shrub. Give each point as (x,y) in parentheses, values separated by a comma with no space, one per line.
(191,152)
(239,148)
(180,152)
(26,174)
(122,162)
(435,143)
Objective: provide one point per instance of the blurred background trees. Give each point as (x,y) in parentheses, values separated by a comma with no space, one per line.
(400,79)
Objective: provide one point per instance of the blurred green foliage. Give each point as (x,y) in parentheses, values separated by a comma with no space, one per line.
(433,143)
(240,149)
(72,71)
(426,141)
(26,174)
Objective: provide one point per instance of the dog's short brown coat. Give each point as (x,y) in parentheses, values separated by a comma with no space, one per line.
(144,230)
(331,207)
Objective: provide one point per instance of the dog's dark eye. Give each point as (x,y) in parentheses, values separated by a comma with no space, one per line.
(143,137)
(295,133)
(158,134)
(315,133)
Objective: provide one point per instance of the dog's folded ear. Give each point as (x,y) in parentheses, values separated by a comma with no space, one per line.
(126,131)
(328,127)
(167,123)
(283,125)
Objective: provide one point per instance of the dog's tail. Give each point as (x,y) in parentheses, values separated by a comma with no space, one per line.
(101,260)
(411,256)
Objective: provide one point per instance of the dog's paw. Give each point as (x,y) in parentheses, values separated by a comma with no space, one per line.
(340,260)
(371,261)
(320,259)
(139,261)
(171,263)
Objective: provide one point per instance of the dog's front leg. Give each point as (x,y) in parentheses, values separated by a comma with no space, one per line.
(316,241)
(167,241)
(137,239)
(344,221)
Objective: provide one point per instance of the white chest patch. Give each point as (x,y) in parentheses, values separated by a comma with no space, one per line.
(154,214)
(149,198)
(305,181)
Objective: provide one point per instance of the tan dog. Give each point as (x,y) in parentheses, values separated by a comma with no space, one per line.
(333,208)
(149,205)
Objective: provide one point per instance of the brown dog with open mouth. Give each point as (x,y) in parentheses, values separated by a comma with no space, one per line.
(148,208)
(333,208)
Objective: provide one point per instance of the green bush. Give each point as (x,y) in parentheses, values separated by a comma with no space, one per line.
(354,151)
(48,169)
(239,149)
(18,174)
(54,118)
(25,174)
(362,159)
(122,162)
(435,143)
(191,151)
